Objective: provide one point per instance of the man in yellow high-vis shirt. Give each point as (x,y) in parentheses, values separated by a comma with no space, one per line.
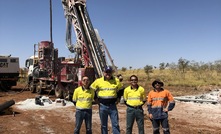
(106,89)
(82,98)
(134,97)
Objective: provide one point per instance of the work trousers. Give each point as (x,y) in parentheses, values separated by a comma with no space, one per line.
(132,114)
(111,110)
(156,126)
(81,115)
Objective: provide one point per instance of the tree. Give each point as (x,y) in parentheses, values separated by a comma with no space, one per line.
(148,69)
(217,65)
(163,65)
(124,69)
(183,64)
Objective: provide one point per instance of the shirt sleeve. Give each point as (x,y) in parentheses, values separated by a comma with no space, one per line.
(144,95)
(119,85)
(94,85)
(93,94)
(171,101)
(75,94)
(125,94)
(170,97)
(149,103)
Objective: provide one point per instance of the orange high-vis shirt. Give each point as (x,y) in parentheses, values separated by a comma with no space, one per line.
(159,100)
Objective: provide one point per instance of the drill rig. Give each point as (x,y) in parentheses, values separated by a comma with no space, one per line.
(87,48)
(48,71)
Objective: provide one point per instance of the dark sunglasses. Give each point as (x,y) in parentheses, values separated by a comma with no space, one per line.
(133,80)
(85,80)
(108,72)
(158,83)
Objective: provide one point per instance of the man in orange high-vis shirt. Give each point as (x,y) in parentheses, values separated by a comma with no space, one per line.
(159,102)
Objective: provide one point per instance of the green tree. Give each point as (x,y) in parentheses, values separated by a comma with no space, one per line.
(124,69)
(148,69)
(217,65)
(183,64)
(163,65)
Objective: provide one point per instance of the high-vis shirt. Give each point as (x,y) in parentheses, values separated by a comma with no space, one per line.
(134,97)
(83,98)
(157,101)
(106,89)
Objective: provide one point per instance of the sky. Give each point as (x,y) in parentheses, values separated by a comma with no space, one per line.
(136,33)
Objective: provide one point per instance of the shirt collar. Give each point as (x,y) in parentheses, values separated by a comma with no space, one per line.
(161,89)
(83,88)
(110,78)
(134,88)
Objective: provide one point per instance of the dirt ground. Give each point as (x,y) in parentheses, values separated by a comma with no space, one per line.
(186,117)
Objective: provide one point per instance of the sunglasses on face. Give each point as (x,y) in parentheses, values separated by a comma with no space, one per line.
(108,72)
(85,80)
(134,80)
(157,84)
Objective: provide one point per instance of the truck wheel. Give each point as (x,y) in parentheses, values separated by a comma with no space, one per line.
(58,92)
(39,89)
(32,87)
(68,92)
(4,86)
(9,87)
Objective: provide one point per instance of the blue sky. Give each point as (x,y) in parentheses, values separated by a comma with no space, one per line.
(137,33)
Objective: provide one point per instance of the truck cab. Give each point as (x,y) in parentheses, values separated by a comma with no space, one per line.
(30,63)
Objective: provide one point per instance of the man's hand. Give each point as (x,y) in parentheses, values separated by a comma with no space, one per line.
(165,110)
(150,116)
(96,101)
(118,100)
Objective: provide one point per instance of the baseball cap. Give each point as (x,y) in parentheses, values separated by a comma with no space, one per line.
(108,69)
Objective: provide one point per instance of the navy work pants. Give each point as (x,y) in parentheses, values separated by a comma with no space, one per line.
(156,126)
(111,110)
(85,115)
(132,114)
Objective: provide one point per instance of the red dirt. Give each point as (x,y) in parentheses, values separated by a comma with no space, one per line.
(185,118)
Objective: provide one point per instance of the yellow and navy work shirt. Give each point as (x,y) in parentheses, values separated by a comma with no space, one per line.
(83,98)
(157,101)
(134,97)
(106,89)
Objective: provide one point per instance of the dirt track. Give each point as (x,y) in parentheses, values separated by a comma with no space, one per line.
(192,118)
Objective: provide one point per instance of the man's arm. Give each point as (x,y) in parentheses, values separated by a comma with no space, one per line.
(120,93)
(74,98)
(144,96)
(149,105)
(171,101)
